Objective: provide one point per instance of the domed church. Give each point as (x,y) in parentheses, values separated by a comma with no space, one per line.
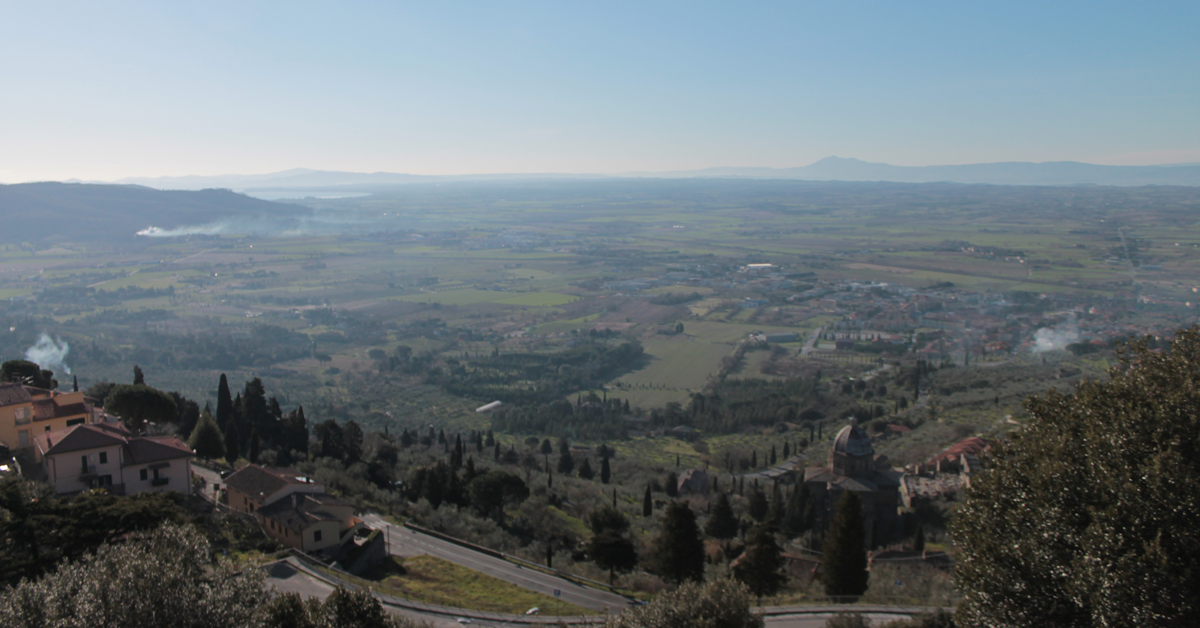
(854,466)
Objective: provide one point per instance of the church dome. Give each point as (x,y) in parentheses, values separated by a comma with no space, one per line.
(853,441)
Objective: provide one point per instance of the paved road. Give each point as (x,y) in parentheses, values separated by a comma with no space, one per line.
(818,619)
(811,344)
(407,542)
(288,579)
(211,478)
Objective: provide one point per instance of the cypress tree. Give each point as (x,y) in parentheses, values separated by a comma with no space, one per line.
(761,567)
(794,523)
(224,403)
(255,445)
(772,459)
(647,503)
(605,472)
(585,470)
(843,556)
(786,450)
(232,443)
(721,524)
(754,460)
(758,506)
(678,554)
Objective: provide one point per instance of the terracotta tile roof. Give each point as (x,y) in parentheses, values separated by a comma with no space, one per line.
(259,482)
(300,510)
(12,394)
(77,438)
(154,449)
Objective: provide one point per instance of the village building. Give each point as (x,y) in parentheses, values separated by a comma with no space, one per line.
(27,411)
(106,455)
(292,508)
(854,466)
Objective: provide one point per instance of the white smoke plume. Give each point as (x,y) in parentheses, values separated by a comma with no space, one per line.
(49,354)
(1057,337)
(319,223)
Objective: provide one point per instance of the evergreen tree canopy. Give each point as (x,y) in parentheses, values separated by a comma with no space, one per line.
(26,372)
(678,554)
(605,471)
(140,404)
(761,566)
(721,524)
(224,403)
(585,470)
(844,554)
(206,439)
(1087,516)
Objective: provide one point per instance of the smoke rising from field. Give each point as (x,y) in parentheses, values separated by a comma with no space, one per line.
(1057,337)
(318,223)
(49,354)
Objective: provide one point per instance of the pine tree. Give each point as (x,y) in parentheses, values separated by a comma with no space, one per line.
(721,524)
(678,554)
(761,566)
(647,503)
(843,555)
(605,472)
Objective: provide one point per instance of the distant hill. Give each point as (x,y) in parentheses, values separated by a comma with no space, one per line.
(828,169)
(78,211)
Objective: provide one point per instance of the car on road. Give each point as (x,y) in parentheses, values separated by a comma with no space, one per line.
(533,611)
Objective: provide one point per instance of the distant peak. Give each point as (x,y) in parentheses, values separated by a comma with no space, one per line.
(834,159)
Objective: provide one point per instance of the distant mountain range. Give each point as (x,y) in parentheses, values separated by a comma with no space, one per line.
(107,213)
(828,169)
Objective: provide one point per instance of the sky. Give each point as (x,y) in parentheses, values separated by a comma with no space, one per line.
(104,90)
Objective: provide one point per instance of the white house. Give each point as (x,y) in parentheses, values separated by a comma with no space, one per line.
(106,455)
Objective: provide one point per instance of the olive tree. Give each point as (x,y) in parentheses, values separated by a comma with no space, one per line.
(1087,516)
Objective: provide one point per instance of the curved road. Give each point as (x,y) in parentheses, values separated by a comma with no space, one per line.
(408,542)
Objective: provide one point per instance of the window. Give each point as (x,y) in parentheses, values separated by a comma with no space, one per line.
(144,475)
(83,463)
(22,415)
(75,422)
(23,438)
(104,457)
(316,536)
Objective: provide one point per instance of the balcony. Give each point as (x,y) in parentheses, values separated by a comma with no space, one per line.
(159,481)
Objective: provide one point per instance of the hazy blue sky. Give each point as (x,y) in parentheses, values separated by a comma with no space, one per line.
(101,90)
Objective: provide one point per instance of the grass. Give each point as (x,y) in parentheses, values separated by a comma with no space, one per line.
(437,581)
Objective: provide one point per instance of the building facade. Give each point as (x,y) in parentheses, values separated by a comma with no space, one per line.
(854,466)
(106,455)
(27,411)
